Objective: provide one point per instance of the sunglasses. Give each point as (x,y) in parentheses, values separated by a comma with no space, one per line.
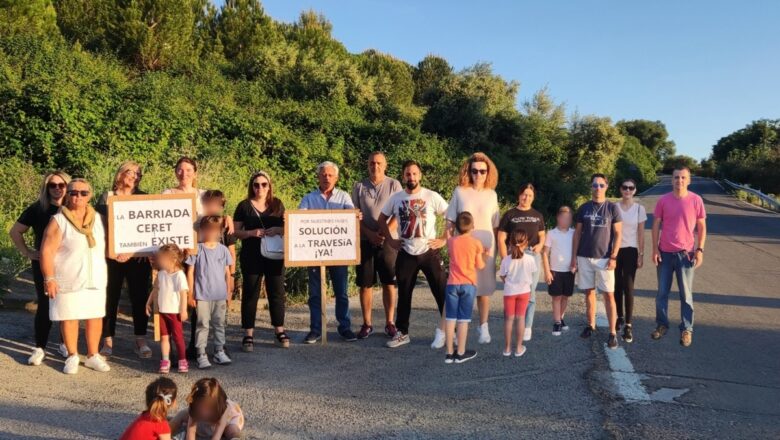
(82,193)
(258,185)
(476,171)
(598,185)
(627,188)
(55,185)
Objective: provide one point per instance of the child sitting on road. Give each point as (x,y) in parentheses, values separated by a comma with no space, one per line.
(556,257)
(516,272)
(152,424)
(211,415)
(466,258)
(169,299)
(208,273)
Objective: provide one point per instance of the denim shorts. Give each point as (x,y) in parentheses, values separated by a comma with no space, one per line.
(459,302)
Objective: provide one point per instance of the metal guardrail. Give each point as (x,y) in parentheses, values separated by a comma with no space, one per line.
(769,200)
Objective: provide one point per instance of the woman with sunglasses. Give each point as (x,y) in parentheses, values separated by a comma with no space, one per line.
(260,215)
(75,276)
(630,256)
(476,194)
(37,217)
(136,271)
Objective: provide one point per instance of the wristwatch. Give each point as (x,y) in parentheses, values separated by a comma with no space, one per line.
(699,250)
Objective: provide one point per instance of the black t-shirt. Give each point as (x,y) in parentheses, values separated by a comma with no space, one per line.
(101,206)
(252,219)
(531,221)
(597,220)
(36,218)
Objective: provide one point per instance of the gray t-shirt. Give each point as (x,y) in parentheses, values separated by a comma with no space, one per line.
(210,272)
(370,199)
(597,220)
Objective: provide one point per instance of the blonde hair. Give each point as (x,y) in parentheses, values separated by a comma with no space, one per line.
(465,179)
(126,166)
(43,197)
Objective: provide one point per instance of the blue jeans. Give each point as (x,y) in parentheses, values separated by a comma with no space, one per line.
(679,265)
(459,302)
(338,276)
(529,312)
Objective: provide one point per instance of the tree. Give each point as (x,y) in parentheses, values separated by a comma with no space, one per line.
(28,17)
(673,162)
(155,34)
(761,133)
(635,162)
(651,134)
(594,146)
(430,76)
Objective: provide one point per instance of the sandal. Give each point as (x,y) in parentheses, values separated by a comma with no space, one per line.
(248,344)
(143,351)
(107,350)
(282,340)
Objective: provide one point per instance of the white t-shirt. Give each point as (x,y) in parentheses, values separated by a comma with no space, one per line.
(416,215)
(636,214)
(560,243)
(518,274)
(169,285)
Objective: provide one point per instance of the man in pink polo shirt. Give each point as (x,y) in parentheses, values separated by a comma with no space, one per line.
(678,252)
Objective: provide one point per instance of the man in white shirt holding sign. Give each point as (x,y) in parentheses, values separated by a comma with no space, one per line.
(419,247)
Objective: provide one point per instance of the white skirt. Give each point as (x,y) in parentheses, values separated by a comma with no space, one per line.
(78,305)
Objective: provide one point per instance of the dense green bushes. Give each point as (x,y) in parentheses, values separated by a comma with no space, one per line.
(86,85)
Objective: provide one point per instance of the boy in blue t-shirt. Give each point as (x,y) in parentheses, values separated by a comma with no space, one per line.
(208,275)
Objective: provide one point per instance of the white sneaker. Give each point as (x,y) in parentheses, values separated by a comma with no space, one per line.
(62,350)
(203,361)
(36,357)
(221,358)
(527,334)
(438,339)
(71,364)
(97,363)
(484,334)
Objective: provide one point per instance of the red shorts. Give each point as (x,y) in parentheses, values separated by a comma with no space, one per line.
(515,305)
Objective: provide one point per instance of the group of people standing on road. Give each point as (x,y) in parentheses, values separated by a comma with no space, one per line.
(600,245)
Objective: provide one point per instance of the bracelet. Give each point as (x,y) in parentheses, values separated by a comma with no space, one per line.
(700,250)
(47,279)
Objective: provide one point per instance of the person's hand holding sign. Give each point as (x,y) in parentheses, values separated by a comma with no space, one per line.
(123,258)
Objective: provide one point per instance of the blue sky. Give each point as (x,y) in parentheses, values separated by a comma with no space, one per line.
(704,68)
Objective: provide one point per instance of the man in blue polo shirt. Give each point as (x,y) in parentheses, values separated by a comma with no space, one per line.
(327,196)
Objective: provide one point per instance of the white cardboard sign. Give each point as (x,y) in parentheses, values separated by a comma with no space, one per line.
(140,224)
(321,238)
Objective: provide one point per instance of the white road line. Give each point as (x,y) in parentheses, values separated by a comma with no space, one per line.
(628,382)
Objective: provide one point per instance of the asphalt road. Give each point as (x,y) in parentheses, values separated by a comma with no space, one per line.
(726,385)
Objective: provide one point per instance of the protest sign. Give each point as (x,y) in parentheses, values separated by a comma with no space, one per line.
(321,237)
(140,224)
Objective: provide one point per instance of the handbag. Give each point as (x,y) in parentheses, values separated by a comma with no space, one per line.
(271,247)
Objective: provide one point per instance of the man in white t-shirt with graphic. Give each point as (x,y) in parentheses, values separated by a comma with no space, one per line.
(419,247)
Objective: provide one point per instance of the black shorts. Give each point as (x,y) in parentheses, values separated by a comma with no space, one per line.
(375,260)
(563,284)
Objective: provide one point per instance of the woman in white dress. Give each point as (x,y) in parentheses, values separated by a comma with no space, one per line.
(75,275)
(476,194)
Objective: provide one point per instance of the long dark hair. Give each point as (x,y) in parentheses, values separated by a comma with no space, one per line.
(160,395)
(518,237)
(274,205)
